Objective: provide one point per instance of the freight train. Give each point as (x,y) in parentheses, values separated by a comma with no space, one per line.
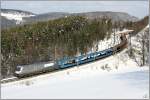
(67,62)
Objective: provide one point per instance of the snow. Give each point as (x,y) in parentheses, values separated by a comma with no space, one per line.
(147,26)
(12,16)
(124,31)
(116,77)
(136,44)
(9,78)
(15,16)
(107,43)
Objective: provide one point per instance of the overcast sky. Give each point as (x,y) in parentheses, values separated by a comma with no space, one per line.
(135,8)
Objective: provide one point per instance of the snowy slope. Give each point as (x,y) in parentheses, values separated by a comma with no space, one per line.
(112,78)
(16,15)
(136,43)
(107,43)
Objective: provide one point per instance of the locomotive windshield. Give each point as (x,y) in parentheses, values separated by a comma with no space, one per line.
(18,68)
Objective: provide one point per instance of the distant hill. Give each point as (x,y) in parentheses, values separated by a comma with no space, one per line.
(11,18)
(46,17)
(6,23)
(19,17)
(115,16)
(12,11)
(138,25)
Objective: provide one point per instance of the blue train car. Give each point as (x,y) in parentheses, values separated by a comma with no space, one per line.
(73,61)
(67,62)
(104,53)
(82,59)
(86,58)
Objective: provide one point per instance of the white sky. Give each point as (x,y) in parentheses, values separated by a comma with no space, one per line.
(135,8)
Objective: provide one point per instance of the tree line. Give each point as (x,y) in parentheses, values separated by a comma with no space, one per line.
(50,40)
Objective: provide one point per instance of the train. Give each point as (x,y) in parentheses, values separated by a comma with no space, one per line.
(68,62)
(33,69)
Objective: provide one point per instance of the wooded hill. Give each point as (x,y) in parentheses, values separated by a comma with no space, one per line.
(50,40)
(138,25)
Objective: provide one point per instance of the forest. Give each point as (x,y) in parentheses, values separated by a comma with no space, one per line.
(51,40)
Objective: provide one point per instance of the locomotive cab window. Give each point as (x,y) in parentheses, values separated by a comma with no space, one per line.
(18,68)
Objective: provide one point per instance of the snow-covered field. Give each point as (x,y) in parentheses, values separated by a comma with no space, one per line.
(111,78)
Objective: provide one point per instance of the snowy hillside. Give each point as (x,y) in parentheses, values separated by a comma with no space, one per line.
(137,43)
(109,42)
(15,15)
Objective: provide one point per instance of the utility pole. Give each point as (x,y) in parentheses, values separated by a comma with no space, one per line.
(130,47)
(143,51)
(114,39)
(149,49)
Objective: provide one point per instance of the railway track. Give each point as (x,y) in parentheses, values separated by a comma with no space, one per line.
(10,79)
(13,78)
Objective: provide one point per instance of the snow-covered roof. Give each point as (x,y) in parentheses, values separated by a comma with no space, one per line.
(124,31)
